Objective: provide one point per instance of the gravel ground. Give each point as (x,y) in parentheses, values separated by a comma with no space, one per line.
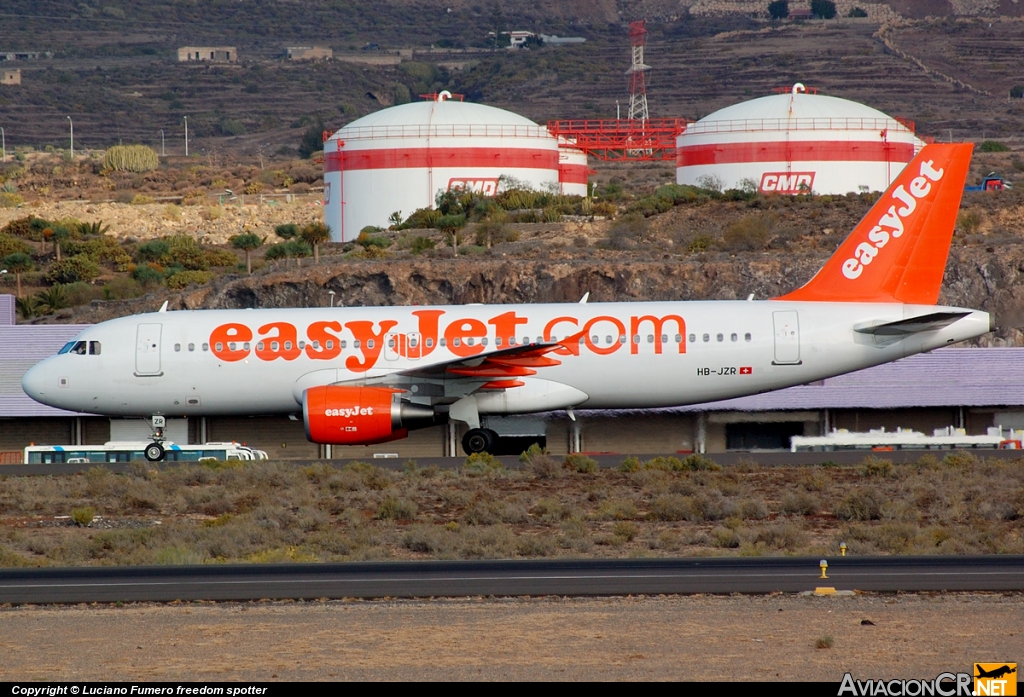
(635,638)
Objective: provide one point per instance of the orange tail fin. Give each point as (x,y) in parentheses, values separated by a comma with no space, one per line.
(898,252)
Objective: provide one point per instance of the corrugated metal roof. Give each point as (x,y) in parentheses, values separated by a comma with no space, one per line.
(6,309)
(970,377)
(21,347)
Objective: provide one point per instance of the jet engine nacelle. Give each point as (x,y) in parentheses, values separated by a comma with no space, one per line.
(339,415)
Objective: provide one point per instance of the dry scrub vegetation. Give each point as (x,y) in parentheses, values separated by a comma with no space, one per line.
(269,512)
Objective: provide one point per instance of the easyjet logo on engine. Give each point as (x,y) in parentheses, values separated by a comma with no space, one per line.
(364,340)
(486,186)
(349,412)
(892,224)
(787,182)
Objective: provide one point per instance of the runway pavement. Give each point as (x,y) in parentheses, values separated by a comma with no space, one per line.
(509,578)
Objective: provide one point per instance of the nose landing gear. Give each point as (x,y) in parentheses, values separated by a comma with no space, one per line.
(154,452)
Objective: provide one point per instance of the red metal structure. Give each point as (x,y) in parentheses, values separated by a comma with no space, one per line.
(621,139)
(637,81)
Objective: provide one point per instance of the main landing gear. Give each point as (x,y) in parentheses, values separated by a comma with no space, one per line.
(479,440)
(154,452)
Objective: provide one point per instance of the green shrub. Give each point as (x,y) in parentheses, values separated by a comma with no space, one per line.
(872,466)
(10,200)
(580,463)
(287,231)
(825,642)
(393,508)
(480,463)
(148,274)
(183,279)
(84,516)
(861,504)
(72,269)
(154,250)
(747,234)
(131,158)
(421,243)
(630,464)
(800,503)
(626,530)
(993,146)
(10,244)
(220,257)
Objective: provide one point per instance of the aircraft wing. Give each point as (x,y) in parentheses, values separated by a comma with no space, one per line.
(498,369)
(913,325)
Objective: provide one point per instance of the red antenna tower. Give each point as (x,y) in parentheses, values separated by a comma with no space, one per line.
(637,82)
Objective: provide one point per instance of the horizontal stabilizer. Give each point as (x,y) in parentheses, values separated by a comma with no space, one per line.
(924,323)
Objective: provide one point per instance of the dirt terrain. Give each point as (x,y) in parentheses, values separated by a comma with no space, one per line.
(770,637)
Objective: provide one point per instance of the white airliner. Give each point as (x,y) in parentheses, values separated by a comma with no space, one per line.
(368,375)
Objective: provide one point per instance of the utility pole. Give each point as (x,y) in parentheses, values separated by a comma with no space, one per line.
(3,139)
(72,137)
(186,136)
(163,151)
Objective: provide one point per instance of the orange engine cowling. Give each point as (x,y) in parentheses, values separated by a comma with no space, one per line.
(352,415)
(339,415)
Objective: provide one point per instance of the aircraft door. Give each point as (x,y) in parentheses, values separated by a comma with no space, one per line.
(787,338)
(147,349)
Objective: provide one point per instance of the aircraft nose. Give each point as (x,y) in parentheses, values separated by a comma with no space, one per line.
(36,384)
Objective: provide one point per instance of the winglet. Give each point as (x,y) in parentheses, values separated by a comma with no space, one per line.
(898,252)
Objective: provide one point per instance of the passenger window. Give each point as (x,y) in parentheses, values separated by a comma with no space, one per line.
(274,346)
(483,342)
(246,345)
(594,339)
(355,344)
(369,344)
(413,343)
(622,338)
(664,338)
(259,346)
(456,341)
(608,340)
(526,339)
(330,344)
(302,345)
(693,338)
(287,346)
(636,338)
(191,347)
(720,337)
(232,346)
(650,338)
(206,347)
(343,344)
(220,346)
(94,348)
(316,345)
(177,348)
(734,337)
(707,338)
(746,337)
(511,341)
(470,341)
(442,343)
(430,343)
(679,338)
(497,341)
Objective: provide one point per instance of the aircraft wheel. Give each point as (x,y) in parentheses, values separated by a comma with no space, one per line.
(154,452)
(478,440)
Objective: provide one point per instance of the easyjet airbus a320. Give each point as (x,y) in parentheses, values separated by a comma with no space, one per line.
(369,375)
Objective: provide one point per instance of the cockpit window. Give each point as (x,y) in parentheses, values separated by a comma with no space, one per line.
(66,348)
(79,348)
(94,348)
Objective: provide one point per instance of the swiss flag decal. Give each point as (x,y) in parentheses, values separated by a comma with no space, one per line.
(746,370)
